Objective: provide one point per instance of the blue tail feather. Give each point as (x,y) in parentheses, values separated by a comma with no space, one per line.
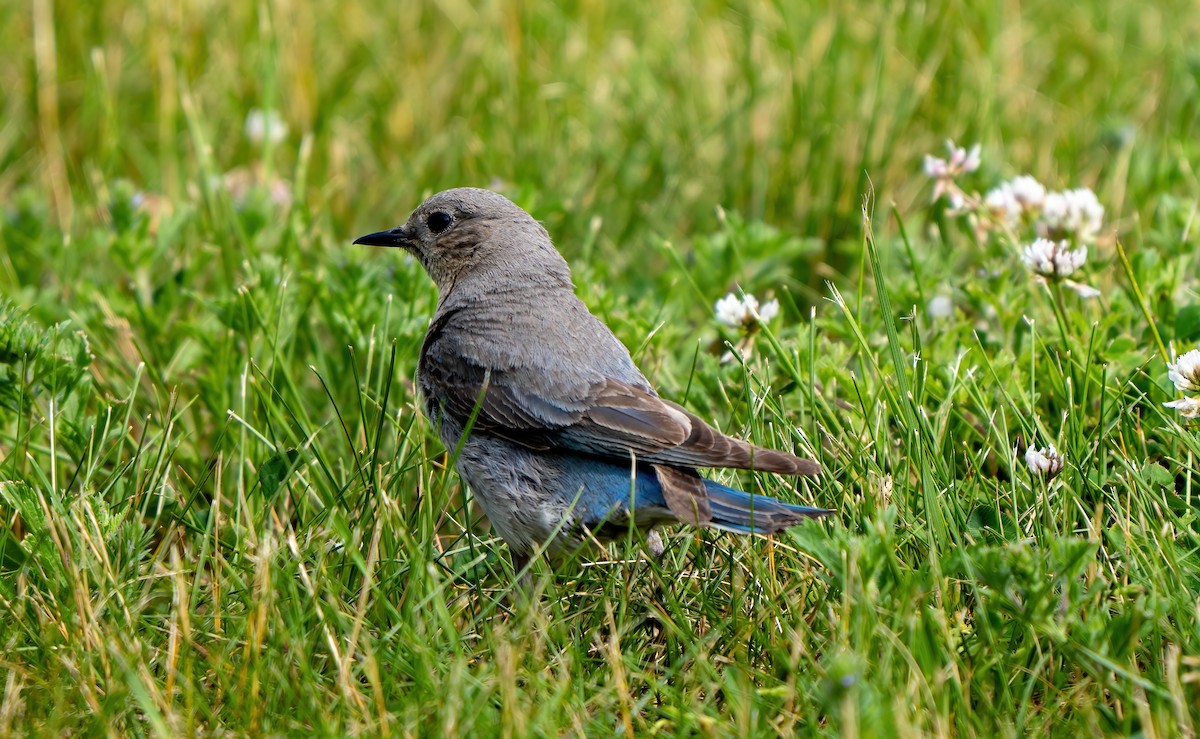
(743,513)
(605,497)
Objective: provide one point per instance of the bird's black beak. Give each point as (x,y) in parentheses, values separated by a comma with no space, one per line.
(398,236)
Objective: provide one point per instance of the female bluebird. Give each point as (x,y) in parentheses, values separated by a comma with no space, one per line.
(568,439)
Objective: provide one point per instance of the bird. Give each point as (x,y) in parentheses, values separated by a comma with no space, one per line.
(566,441)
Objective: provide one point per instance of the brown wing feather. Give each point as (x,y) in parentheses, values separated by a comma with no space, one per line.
(707,447)
(685,494)
(622,418)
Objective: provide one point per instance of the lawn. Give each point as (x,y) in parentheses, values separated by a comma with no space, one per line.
(221,511)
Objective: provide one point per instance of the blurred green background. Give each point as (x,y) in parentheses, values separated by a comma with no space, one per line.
(646,115)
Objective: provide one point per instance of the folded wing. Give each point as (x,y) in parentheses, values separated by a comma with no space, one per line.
(595,415)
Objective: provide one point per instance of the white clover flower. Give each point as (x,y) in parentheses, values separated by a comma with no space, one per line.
(943,171)
(744,311)
(265,125)
(1053,259)
(730,310)
(936,167)
(1185,372)
(940,307)
(961,161)
(1072,213)
(1188,407)
(1046,462)
(1002,203)
(1027,191)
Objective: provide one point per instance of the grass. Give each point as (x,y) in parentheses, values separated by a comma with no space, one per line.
(220,509)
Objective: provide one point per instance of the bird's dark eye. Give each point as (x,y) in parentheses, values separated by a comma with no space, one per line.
(439,221)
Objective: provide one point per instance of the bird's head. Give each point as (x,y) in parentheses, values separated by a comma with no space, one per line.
(472,233)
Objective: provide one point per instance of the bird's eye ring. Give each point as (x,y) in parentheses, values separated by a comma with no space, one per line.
(439,221)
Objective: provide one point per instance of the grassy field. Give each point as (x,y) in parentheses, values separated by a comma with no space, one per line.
(221,512)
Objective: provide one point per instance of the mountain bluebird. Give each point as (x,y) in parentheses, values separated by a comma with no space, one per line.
(567,439)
